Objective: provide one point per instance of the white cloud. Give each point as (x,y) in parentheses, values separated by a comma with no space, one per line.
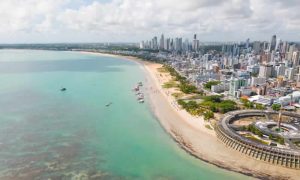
(132,20)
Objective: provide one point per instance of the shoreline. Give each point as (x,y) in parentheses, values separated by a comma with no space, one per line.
(192,136)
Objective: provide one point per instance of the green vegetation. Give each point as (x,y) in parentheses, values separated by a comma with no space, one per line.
(170,84)
(196,96)
(247,103)
(211,83)
(254,130)
(191,106)
(208,127)
(253,138)
(184,85)
(276,107)
(297,143)
(209,105)
(162,70)
(213,98)
(216,104)
(208,115)
(278,139)
(195,109)
(177,95)
(251,105)
(260,106)
(187,88)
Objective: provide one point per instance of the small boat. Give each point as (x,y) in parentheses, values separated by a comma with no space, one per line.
(136,88)
(141,101)
(108,104)
(141,96)
(63,89)
(138,93)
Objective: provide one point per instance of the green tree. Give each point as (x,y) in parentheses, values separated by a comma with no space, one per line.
(213,98)
(271,137)
(260,106)
(280,140)
(210,83)
(187,88)
(276,107)
(226,106)
(208,115)
(247,103)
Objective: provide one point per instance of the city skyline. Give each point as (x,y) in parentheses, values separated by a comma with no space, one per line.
(33,21)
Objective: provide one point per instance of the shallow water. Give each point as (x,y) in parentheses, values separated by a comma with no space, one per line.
(46,133)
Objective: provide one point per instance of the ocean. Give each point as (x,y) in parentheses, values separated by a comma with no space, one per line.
(46,133)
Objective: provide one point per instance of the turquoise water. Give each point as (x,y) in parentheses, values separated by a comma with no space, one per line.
(46,133)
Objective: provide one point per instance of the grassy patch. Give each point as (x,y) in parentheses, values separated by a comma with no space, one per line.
(162,70)
(184,85)
(178,95)
(170,84)
(253,138)
(196,96)
(208,127)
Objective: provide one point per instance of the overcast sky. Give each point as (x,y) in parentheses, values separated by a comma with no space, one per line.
(29,21)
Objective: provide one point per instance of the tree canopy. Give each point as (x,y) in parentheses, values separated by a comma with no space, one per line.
(211,83)
(276,107)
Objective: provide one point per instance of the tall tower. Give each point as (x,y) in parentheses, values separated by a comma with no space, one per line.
(155,44)
(195,43)
(295,58)
(272,43)
(247,43)
(161,42)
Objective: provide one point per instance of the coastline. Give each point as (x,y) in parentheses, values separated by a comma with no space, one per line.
(191,134)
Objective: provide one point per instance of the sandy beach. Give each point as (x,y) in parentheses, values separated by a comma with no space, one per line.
(192,135)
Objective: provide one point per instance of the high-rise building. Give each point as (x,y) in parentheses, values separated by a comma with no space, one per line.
(272,43)
(278,45)
(284,47)
(258,81)
(142,45)
(295,58)
(265,45)
(256,47)
(234,85)
(154,43)
(279,69)
(292,49)
(167,44)
(185,46)
(172,45)
(195,43)
(289,73)
(236,50)
(247,43)
(161,42)
(265,71)
(178,44)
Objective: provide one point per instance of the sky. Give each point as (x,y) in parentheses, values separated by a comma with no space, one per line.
(51,21)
